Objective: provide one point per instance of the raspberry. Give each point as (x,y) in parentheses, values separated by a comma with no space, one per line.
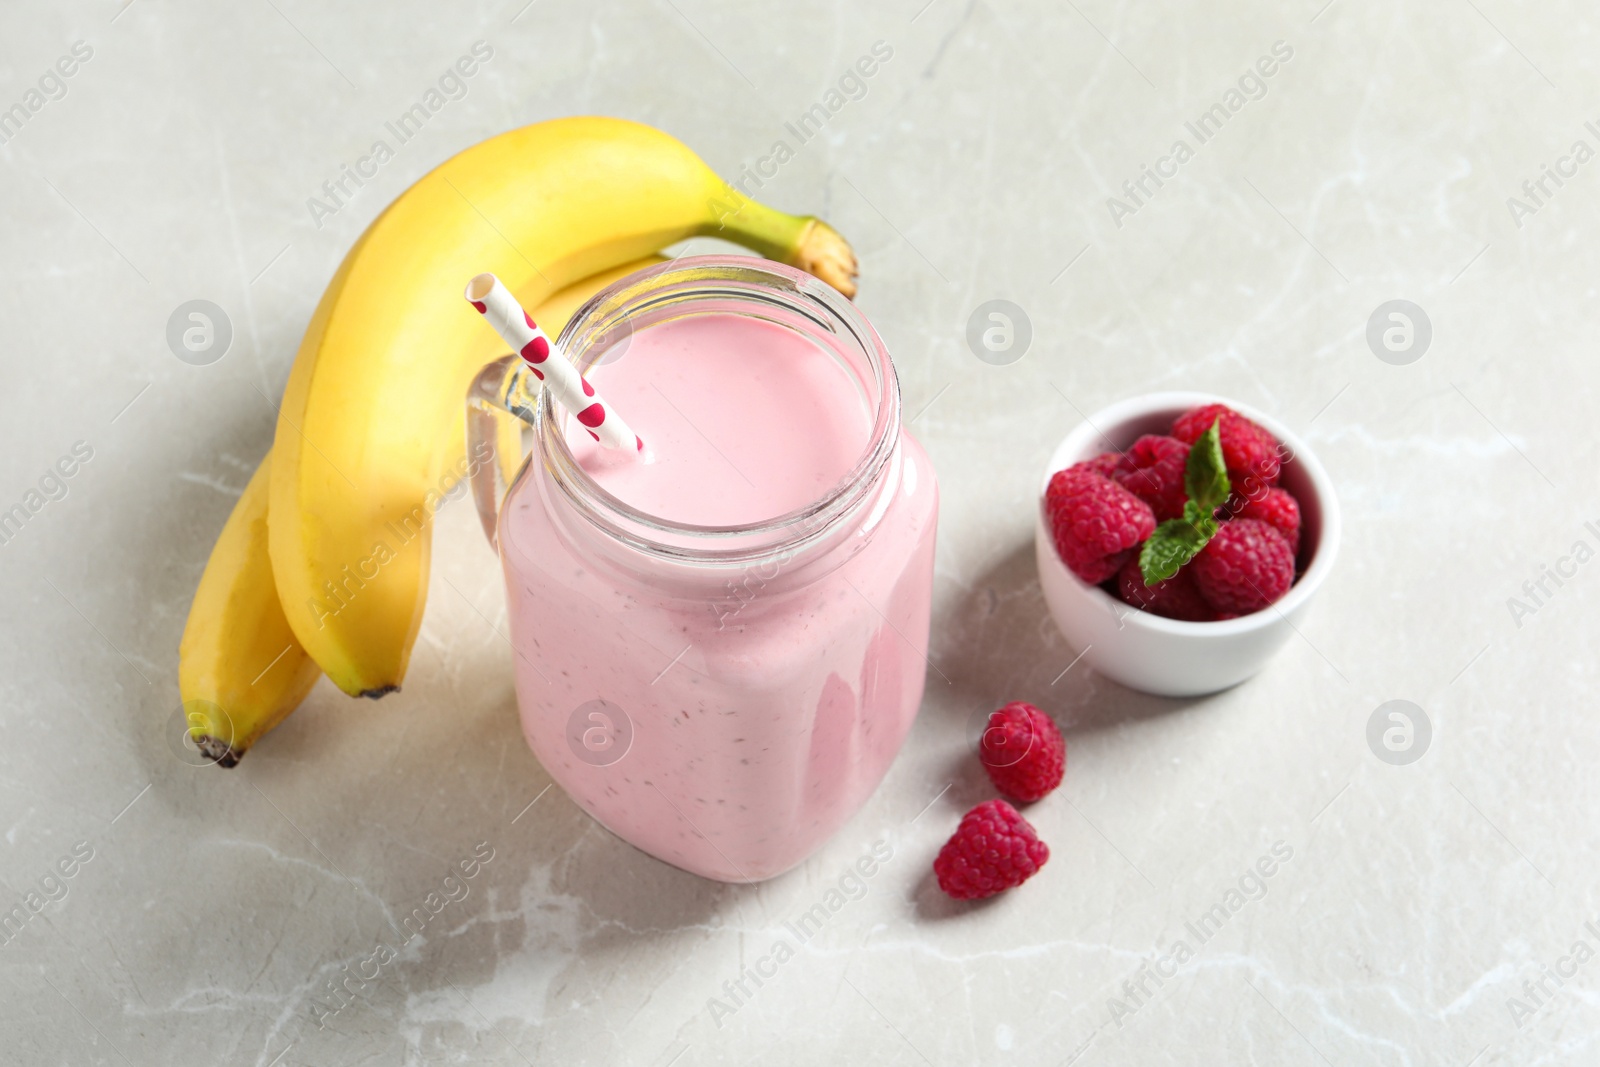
(1023,752)
(1105,464)
(1276,507)
(992,850)
(1095,522)
(1174,598)
(1250,452)
(1245,567)
(1152,470)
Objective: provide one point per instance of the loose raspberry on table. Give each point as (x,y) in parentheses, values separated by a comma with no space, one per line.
(992,850)
(1095,522)
(1175,598)
(1023,752)
(1152,470)
(1251,454)
(1245,567)
(1276,507)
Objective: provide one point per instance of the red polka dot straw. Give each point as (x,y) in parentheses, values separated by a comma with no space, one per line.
(570,389)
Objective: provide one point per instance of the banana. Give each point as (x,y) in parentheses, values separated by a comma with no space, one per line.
(360,456)
(241,670)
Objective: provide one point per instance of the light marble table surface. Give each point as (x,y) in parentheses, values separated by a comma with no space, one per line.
(1421,914)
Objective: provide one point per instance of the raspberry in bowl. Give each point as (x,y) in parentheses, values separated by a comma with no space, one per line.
(1225,611)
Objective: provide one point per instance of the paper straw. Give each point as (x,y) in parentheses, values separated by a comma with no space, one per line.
(551,366)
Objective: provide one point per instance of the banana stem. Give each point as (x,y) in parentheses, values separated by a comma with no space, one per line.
(803,241)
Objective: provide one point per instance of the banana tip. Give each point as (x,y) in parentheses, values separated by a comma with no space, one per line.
(379,692)
(822,251)
(217,751)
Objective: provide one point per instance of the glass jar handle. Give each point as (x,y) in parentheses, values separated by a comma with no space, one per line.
(500,406)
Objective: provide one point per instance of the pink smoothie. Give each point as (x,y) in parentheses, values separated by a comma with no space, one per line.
(765,702)
(744,421)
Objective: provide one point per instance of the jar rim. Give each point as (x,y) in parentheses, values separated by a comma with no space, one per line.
(741,278)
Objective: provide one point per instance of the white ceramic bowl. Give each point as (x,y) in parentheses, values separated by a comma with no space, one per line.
(1165,656)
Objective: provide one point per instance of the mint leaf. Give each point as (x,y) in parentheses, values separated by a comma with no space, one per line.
(1205,476)
(1174,543)
(1177,541)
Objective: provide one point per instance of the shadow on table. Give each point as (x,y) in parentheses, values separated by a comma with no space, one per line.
(1000,644)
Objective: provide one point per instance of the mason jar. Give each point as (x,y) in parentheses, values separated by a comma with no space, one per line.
(721,697)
